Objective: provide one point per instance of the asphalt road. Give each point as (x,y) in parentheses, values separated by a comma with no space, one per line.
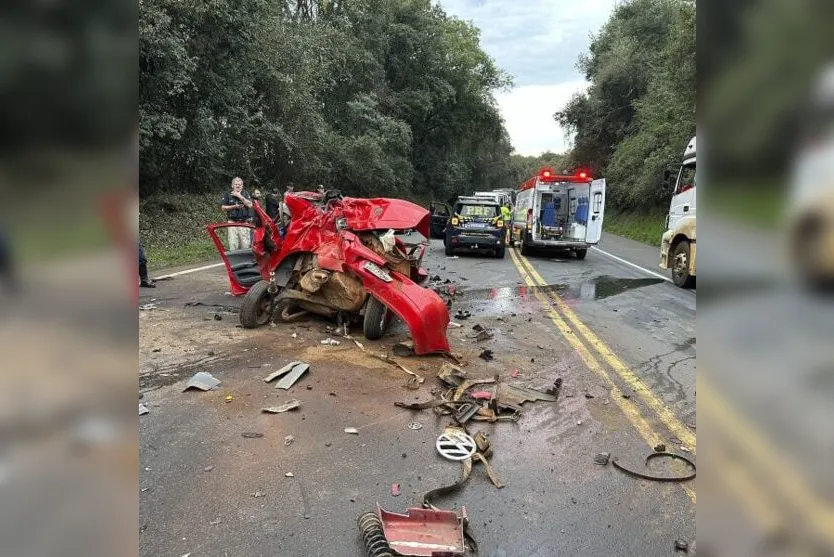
(621,339)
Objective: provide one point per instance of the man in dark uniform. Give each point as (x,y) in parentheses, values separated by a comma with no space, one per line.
(237,204)
(273,203)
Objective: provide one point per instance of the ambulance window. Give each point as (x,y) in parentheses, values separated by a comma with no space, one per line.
(686,178)
(597,202)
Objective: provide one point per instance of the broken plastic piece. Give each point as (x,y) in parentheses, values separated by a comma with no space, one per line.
(202,380)
(484,335)
(284,370)
(352,430)
(290,405)
(486,355)
(293,376)
(452,375)
(481,395)
(288,440)
(395,490)
(143,409)
(331,342)
(423,532)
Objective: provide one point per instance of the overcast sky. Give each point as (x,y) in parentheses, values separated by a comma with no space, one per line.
(538,43)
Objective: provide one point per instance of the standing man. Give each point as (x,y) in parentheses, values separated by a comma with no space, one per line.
(507,217)
(144,281)
(236,204)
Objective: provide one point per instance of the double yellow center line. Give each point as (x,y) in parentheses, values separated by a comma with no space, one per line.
(592,350)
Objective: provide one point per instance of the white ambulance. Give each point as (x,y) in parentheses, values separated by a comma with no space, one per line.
(559,212)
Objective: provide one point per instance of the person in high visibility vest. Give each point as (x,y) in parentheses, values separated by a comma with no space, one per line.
(507,217)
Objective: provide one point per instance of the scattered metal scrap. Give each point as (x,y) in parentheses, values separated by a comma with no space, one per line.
(283,371)
(287,406)
(202,380)
(644,476)
(290,378)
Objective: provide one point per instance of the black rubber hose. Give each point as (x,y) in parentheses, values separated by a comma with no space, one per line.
(643,476)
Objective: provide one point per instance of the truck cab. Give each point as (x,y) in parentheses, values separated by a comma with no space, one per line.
(677,245)
(809,212)
(559,212)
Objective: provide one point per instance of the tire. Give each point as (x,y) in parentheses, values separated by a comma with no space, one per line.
(447,247)
(255,309)
(376,317)
(525,249)
(680,266)
(499,252)
(581,253)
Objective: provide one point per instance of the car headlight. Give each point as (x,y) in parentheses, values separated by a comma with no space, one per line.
(455,221)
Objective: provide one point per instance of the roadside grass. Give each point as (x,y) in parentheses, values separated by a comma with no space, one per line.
(173,228)
(642,227)
(759,205)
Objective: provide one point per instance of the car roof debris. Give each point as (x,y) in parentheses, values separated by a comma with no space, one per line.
(202,380)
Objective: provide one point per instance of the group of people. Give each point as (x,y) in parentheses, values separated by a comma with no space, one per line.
(237,204)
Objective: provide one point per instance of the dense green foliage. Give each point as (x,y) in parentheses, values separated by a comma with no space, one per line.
(639,111)
(368,96)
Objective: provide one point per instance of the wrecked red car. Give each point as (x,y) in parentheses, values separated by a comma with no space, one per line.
(349,258)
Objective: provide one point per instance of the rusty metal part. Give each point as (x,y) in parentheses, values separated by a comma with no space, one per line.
(470,383)
(344,292)
(451,374)
(643,476)
(373,536)
(513,397)
(465,412)
(313,280)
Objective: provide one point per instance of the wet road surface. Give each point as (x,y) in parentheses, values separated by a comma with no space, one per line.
(622,341)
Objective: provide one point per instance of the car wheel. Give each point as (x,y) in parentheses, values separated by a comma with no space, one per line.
(581,253)
(376,316)
(499,252)
(255,311)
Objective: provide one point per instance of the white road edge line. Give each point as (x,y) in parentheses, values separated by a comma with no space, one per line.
(629,263)
(187,271)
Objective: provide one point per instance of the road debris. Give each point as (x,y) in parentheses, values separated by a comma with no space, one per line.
(251,435)
(288,440)
(481,395)
(289,475)
(556,388)
(143,409)
(229,398)
(385,358)
(681,545)
(259,494)
(685,449)
(486,355)
(283,371)
(484,335)
(455,445)
(286,407)
(215,522)
(660,448)
(208,468)
(290,378)
(202,380)
(330,342)
(414,426)
(421,531)
(455,325)
(395,490)
(477,327)
(404,349)
(602,458)
(514,374)
(352,430)
(463,314)
(643,476)
(294,335)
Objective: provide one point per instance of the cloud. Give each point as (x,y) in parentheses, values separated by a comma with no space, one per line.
(528,114)
(538,42)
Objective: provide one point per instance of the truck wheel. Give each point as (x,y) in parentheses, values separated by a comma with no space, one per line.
(376,317)
(499,252)
(256,306)
(581,253)
(680,265)
(525,249)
